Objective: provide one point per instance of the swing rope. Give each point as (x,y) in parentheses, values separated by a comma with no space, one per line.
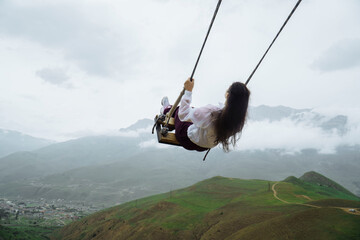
(207,35)
(172,110)
(277,35)
(257,66)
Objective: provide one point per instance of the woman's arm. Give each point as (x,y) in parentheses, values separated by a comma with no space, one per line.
(185,111)
(201,117)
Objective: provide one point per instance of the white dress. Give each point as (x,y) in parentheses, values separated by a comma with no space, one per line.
(202,131)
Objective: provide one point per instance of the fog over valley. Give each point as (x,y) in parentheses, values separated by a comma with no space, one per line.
(129,163)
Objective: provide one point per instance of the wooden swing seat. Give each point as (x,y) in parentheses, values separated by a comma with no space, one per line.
(170,138)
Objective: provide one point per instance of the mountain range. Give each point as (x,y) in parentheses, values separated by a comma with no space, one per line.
(107,170)
(13,141)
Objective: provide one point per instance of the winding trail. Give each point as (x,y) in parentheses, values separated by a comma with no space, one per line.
(275,194)
(347,210)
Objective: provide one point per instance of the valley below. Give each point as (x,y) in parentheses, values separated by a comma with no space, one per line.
(132,186)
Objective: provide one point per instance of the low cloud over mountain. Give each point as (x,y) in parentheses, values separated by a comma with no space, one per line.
(289,129)
(277,142)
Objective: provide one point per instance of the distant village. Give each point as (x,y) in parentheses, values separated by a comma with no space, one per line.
(42,212)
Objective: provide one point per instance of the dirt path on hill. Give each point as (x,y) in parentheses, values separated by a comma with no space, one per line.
(275,194)
(304,196)
(347,210)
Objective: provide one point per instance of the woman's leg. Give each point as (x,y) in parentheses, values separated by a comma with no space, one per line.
(181,132)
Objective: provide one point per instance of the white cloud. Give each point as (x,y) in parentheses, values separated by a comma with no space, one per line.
(294,136)
(344,54)
(291,134)
(121,59)
(56,76)
(88,34)
(134,133)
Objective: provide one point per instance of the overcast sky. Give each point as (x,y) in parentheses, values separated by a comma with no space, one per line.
(73,68)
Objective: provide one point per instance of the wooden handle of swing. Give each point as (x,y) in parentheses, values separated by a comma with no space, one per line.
(172,110)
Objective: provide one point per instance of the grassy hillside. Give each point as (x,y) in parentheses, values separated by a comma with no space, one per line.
(226,208)
(25,232)
(324,223)
(313,187)
(318,179)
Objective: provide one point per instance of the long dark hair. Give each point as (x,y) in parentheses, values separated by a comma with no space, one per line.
(230,121)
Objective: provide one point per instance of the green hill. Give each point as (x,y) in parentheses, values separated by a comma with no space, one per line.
(226,208)
(317,178)
(311,185)
(294,180)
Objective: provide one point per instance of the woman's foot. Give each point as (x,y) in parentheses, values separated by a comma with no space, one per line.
(165,103)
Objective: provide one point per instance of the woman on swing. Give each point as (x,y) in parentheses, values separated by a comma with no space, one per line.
(203,128)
